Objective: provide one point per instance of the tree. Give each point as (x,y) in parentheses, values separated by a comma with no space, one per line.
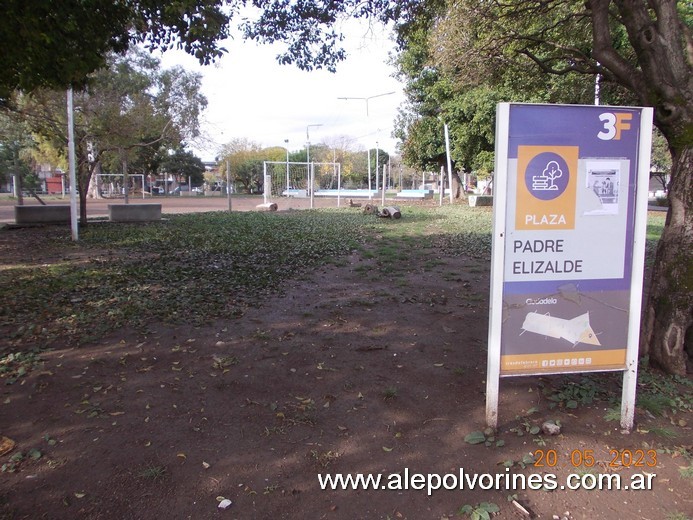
(58,43)
(643,53)
(184,165)
(16,144)
(123,112)
(244,158)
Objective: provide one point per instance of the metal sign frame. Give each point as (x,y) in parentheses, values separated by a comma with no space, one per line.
(569,232)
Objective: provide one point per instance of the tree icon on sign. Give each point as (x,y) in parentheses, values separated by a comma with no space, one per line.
(547,180)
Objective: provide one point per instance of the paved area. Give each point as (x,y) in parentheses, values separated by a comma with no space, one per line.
(170,205)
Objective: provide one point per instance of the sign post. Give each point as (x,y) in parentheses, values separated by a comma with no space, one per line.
(570,213)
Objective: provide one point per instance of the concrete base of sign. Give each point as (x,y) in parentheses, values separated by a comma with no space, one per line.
(480,200)
(134,212)
(51,214)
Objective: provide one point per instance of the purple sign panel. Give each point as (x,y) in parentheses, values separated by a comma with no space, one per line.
(568,244)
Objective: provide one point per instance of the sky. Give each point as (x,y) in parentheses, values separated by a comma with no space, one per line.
(251,96)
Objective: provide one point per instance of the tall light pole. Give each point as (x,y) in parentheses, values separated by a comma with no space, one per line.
(369,171)
(308,141)
(286,144)
(367,98)
(72,162)
(449,161)
(377,166)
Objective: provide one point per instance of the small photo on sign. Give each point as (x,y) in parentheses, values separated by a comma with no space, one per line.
(604,181)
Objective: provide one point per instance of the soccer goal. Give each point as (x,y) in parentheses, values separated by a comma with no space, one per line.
(301,180)
(111,185)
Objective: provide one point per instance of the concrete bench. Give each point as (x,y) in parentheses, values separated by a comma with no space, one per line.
(415,194)
(134,212)
(50,214)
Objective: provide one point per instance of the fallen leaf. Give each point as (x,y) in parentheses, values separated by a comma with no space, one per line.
(6,445)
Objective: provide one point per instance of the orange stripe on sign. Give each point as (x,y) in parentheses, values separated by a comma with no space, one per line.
(558,362)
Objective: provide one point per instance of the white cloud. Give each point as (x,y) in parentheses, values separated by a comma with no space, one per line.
(251,96)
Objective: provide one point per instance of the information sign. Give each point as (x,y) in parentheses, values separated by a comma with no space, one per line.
(568,242)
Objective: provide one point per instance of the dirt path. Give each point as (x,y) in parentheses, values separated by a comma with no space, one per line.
(364,368)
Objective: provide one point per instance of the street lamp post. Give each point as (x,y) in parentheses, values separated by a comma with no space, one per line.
(286,143)
(377,166)
(369,171)
(367,98)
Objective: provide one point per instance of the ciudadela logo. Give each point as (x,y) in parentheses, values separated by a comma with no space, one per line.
(547,176)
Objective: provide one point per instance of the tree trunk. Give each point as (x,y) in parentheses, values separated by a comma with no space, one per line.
(668,319)
(84,175)
(458,187)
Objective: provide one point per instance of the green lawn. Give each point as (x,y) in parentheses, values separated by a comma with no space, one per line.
(197,267)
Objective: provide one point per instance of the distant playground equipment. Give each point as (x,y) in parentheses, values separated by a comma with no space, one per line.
(302,180)
(112,185)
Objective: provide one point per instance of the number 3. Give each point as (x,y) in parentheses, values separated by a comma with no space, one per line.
(609,131)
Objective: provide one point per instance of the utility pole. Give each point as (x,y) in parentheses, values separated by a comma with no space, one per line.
(72,165)
(286,145)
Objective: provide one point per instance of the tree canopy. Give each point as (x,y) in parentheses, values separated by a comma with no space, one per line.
(57,43)
(129,114)
(184,165)
(464,54)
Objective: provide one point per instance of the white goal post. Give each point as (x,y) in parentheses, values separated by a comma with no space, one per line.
(110,185)
(302,180)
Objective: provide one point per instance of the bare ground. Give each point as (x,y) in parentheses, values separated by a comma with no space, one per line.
(353,369)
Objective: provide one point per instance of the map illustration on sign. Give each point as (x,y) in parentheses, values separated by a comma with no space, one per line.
(576,330)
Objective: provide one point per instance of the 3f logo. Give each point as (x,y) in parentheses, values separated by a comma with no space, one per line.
(614,124)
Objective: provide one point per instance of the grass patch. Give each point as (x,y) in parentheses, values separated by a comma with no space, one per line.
(390,393)
(664,395)
(655,226)
(153,472)
(196,268)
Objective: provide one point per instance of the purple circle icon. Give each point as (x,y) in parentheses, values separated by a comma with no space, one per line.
(547,175)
